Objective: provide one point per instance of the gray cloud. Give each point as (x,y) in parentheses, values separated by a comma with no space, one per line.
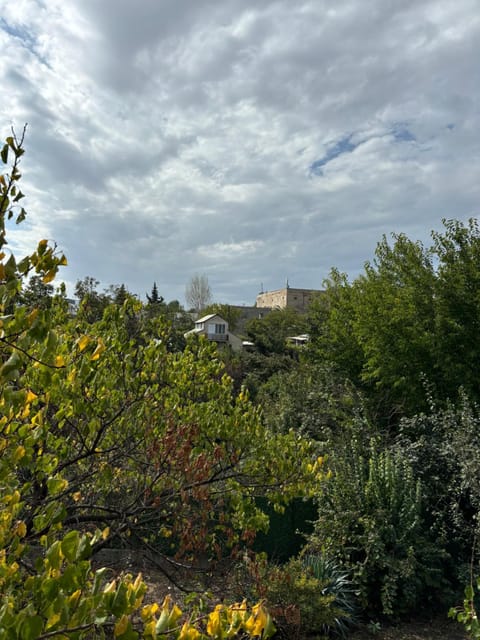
(250,141)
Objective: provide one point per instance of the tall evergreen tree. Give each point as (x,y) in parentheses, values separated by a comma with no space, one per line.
(154,297)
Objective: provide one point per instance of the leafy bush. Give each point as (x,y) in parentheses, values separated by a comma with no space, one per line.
(297,599)
(442,448)
(467,614)
(370,519)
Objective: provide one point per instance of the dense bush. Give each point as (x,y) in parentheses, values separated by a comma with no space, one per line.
(370,519)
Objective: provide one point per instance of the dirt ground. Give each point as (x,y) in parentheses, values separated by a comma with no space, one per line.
(436,629)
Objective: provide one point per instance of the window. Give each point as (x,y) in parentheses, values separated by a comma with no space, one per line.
(219,328)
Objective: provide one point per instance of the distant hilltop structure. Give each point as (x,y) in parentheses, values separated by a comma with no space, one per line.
(298,299)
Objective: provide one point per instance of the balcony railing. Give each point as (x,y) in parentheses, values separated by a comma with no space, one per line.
(218,337)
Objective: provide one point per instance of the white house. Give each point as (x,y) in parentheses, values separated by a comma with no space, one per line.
(215,328)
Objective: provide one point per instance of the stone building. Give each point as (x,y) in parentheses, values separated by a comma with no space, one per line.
(298,299)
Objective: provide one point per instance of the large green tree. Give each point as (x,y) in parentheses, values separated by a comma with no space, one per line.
(409,322)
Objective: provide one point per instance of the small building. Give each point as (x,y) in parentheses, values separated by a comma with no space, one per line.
(215,329)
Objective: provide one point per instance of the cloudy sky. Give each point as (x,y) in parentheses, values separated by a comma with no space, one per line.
(248,140)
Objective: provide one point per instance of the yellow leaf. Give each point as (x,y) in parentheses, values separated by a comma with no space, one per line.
(73,599)
(110,588)
(98,351)
(52,621)
(49,276)
(83,342)
(77,496)
(214,623)
(59,361)
(260,619)
(148,611)
(32,315)
(149,630)
(19,453)
(189,633)
(121,626)
(175,614)
(30,396)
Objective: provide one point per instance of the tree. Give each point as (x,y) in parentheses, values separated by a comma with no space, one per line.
(154,298)
(457,306)
(117,293)
(409,320)
(198,293)
(92,303)
(269,334)
(97,429)
(37,293)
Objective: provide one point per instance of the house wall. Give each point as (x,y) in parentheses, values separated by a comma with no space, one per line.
(298,299)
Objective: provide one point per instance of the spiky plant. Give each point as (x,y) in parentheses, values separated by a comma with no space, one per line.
(337,583)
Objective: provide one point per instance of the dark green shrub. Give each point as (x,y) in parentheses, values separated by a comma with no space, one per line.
(370,519)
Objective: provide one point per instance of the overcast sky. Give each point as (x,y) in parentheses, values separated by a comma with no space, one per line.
(248,140)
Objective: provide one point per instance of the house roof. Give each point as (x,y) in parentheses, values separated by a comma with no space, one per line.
(209,317)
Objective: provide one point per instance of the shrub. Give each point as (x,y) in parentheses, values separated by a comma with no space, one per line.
(296,599)
(370,520)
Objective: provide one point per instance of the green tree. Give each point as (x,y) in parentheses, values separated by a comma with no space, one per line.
(92,303)
(311,399)
(269,334)
(37,293)
(154,298)
(331,328)
(411,318)
(457,306)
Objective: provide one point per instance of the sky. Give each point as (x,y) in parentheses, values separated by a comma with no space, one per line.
(253,141)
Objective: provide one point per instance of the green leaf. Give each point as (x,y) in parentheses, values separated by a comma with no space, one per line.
(56,485)
(70,545)
(4,153)
(21,216)
(31,628)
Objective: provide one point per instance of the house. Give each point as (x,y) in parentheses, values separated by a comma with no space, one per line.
(215,328)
